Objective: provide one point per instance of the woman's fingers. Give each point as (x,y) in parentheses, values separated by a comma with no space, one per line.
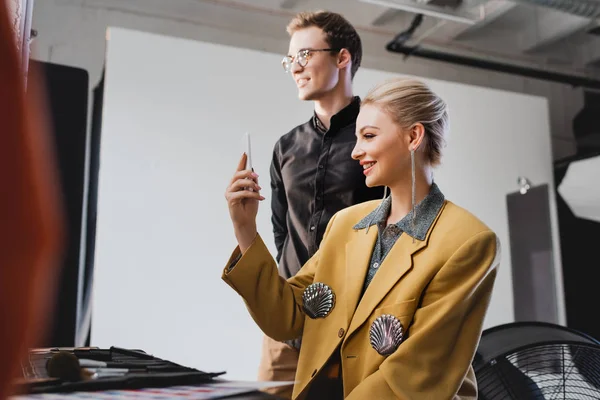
(244,184)
(233,197)
(244,174)
(242,163)
(241,168)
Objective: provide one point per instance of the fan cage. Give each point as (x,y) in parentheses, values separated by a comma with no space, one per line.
(543,371)
(511,327)
(504,338)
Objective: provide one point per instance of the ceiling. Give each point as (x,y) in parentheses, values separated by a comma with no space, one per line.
(516,32)
(535,34)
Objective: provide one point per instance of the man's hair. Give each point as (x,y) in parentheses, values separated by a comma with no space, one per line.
(339,33)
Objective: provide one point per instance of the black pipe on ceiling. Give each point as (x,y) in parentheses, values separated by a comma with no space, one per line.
(398,47)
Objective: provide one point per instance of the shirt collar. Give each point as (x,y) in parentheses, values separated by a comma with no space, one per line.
(344,117)
(427,210)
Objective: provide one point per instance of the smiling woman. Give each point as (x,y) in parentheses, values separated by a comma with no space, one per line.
(400,133)
(405,299)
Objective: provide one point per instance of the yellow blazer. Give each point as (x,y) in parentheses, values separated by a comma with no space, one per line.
(438,288)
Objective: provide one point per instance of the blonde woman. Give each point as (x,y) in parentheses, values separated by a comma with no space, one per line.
(392,304)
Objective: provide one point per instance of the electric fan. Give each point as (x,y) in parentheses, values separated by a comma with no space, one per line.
(537,361)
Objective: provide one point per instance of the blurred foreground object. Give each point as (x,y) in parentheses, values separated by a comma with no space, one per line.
(30,215)
(19,18)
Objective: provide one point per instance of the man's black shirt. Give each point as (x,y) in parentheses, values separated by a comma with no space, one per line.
(313,176)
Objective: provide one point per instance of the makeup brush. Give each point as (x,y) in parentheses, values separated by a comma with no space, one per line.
(66,367)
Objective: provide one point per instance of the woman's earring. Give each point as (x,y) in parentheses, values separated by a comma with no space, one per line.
(412,167)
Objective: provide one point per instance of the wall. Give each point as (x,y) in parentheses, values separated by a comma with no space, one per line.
(174,114)
(72,32)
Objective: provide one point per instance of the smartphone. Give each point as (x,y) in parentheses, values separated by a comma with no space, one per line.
(248,152)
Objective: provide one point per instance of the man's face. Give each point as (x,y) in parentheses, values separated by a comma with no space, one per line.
(320,74)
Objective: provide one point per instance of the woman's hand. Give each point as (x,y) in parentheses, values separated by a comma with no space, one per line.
(243,196)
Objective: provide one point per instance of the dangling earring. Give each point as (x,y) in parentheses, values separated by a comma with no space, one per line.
(378,207)
(412,167)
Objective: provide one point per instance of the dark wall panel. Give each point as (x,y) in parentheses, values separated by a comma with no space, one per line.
(67,91)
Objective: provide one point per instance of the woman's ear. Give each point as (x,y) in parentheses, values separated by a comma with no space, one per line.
(417,135)
(344,58)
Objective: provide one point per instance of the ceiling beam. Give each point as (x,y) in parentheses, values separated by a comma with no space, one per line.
(490,12)
(388,15)
(550,27)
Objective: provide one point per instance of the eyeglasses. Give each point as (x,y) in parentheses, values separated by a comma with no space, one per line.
(301,58)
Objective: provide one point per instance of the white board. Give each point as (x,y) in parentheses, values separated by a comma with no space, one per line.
(174,116)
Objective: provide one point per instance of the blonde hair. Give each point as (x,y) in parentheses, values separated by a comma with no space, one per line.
(339,33)
(410,101)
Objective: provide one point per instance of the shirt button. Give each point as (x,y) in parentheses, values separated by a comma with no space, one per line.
(376,265)
(321,166)
(312,228)
(341,332)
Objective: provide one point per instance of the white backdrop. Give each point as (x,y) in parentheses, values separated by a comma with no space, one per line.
(174,116)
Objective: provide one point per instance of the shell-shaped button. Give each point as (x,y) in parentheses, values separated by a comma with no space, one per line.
(318,300)
(386,334)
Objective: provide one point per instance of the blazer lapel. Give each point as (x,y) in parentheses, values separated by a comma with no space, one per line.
(397,263)
(358,256)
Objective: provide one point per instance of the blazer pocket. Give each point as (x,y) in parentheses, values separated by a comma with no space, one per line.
(404,311)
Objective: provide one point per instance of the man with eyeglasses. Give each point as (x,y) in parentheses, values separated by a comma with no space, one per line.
(312,173)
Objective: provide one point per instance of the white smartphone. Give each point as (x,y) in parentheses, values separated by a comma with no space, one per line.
(248,152)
